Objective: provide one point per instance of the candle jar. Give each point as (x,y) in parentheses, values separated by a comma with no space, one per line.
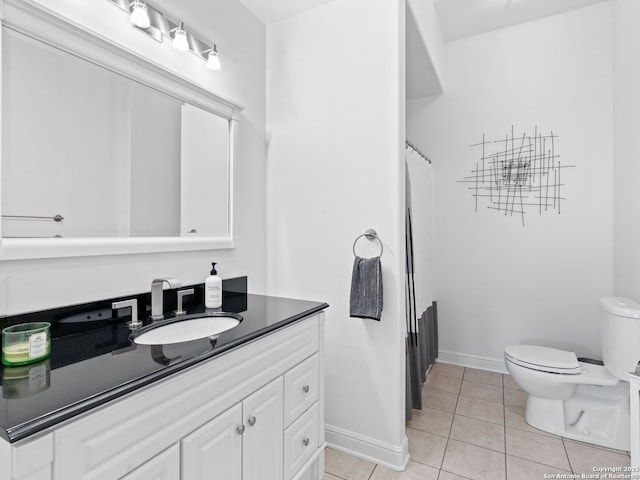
(26,343)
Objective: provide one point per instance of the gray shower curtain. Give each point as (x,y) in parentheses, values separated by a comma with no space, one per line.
(421,307)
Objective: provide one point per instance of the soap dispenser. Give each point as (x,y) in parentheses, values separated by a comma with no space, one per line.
(213,289)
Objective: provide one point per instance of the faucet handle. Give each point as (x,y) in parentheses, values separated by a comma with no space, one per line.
(133,303)
(181,295)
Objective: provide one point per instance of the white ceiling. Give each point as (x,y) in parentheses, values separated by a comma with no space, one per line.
(463,18)
(269,11)
(458,18)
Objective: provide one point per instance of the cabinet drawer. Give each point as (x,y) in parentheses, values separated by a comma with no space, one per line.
(300,441)
(300,388)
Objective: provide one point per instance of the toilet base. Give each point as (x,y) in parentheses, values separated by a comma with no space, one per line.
(594,414)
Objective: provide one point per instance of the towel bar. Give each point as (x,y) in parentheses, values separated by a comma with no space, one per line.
(55,218)
(371,234)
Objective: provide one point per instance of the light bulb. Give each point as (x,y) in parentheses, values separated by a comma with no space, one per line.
(213,61)
(139,15)
(180,41)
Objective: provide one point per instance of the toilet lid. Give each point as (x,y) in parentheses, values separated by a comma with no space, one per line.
(544,359)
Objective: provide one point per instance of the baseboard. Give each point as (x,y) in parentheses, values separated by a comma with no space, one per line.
(390,456)
(472,361)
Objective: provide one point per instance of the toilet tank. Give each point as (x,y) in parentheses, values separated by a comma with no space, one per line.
(620,335)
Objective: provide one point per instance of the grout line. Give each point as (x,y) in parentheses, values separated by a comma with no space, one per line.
(483,383)
(516,388)
(482,420)
(593,445)
(446,375)
(446,445)
(504,429)
(482,399)
(543,464)
(504,425)
(538,462)
(425,431)
(559,469)
(456,474)
(334,475)
(478,446)
(430,387)
(564,447)
(453,418)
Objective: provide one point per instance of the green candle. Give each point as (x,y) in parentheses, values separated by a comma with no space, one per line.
(26,343)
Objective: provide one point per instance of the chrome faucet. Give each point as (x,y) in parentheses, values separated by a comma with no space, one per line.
(156,295)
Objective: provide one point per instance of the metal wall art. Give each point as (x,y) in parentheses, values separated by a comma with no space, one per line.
(518,175)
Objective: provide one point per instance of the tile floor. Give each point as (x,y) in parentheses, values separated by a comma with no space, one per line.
(472,427)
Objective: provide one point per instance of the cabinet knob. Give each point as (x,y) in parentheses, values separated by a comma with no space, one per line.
(240,429)
(305,441)
(252,421)
(306,389)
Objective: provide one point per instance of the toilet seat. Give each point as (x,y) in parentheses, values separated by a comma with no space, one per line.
(543,359)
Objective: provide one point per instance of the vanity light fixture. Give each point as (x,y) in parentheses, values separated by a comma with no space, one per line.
(139,15)
(213,60)
(152,22)
(180,40)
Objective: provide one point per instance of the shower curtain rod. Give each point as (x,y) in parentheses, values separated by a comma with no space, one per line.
(415,149)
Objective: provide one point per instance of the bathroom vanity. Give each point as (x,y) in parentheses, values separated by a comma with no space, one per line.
(247,405)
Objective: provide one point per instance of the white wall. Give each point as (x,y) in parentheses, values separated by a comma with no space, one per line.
(500,283)
(34,285)
(335,103)
(626,124)
(424,47)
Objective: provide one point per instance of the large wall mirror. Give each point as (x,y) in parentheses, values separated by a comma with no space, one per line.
(92,158)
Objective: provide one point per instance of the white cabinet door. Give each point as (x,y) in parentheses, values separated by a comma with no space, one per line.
(262,451)
(243,443)
(214,451)
(165,466)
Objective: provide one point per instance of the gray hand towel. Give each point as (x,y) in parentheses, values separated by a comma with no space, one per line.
(366,288)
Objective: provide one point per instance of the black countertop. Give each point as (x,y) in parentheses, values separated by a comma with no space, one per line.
(93,362)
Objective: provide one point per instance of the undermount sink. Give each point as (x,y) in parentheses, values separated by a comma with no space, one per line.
(187,328)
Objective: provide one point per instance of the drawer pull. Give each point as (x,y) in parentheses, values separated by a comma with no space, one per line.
(306,389)
(305,441)
(240,429)
(252,421)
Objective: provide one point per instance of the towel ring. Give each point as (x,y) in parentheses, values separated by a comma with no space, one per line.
(371,234)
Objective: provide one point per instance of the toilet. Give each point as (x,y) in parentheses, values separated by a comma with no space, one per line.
(578,398)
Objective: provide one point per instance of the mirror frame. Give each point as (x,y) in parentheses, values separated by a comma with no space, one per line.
(41,24)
